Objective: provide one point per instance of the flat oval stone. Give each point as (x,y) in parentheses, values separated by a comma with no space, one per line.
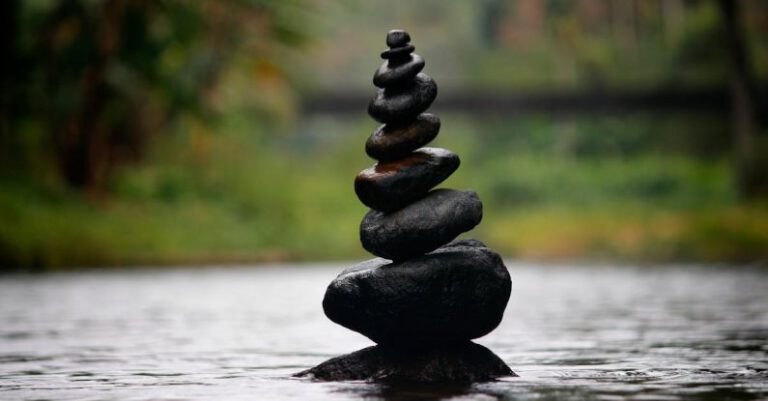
(392,142)
(398,38)
(422,226)
(454,294)
(392,185)
(388,75)
(402,103)
(398,52)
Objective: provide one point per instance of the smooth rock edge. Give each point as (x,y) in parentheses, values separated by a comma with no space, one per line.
(389,75)
(465,363)
(422,226)
(450,296)
(390,186)
(403,103)
(398,53)
(398,38)
(392,142)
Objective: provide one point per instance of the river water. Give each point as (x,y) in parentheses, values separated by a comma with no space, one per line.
(238,333)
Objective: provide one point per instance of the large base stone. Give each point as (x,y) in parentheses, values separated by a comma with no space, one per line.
(462,363)
(452,295)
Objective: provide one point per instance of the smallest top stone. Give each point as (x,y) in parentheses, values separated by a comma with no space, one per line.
(398,38)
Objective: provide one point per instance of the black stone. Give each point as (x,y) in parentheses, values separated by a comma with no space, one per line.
(403,103)
(463,363)
(392,142)
(392,185)
(452,295)
(394,75)
(398,38)
(426,301)
(398,53)
(422,226)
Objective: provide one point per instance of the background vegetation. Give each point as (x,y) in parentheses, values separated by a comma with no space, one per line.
(165,131)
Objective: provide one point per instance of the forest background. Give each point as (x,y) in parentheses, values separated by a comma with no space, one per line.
(165,132)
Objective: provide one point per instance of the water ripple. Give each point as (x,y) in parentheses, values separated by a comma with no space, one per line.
(571,333)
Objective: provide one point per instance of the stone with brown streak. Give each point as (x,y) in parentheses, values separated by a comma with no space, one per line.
(389,186)
(392,142)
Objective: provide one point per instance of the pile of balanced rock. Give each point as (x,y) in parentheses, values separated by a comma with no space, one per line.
(425,297)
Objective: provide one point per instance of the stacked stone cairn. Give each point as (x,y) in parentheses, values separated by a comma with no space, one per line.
(427,295)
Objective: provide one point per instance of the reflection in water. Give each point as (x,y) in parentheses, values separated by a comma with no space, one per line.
(408,392)
(571,333)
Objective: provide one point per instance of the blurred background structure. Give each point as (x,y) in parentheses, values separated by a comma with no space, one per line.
(168,131)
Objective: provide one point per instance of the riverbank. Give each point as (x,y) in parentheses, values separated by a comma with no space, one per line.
(49,231)
(245,192)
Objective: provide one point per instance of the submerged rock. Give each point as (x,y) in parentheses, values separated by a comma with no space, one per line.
(392,142)
(388,186)
(452,295)
(462,363)
(422,226)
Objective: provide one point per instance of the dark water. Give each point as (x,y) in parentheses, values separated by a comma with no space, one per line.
(570,332)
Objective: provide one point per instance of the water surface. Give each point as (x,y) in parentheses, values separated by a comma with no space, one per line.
(570,332)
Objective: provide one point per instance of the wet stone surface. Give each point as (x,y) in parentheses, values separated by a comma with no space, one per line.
(391,142)
(398,38)
(422,226)
(392,74)
(460,363)
(449,296)
(389,186)
(403,103)
(398,53)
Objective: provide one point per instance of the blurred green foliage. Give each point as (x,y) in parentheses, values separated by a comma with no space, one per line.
(250,194)
(541,45)
(87,84)
(167,131)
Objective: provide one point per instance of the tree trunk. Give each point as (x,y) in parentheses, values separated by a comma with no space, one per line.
(742,102)
(8,78)
(82,148)
(84,140)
